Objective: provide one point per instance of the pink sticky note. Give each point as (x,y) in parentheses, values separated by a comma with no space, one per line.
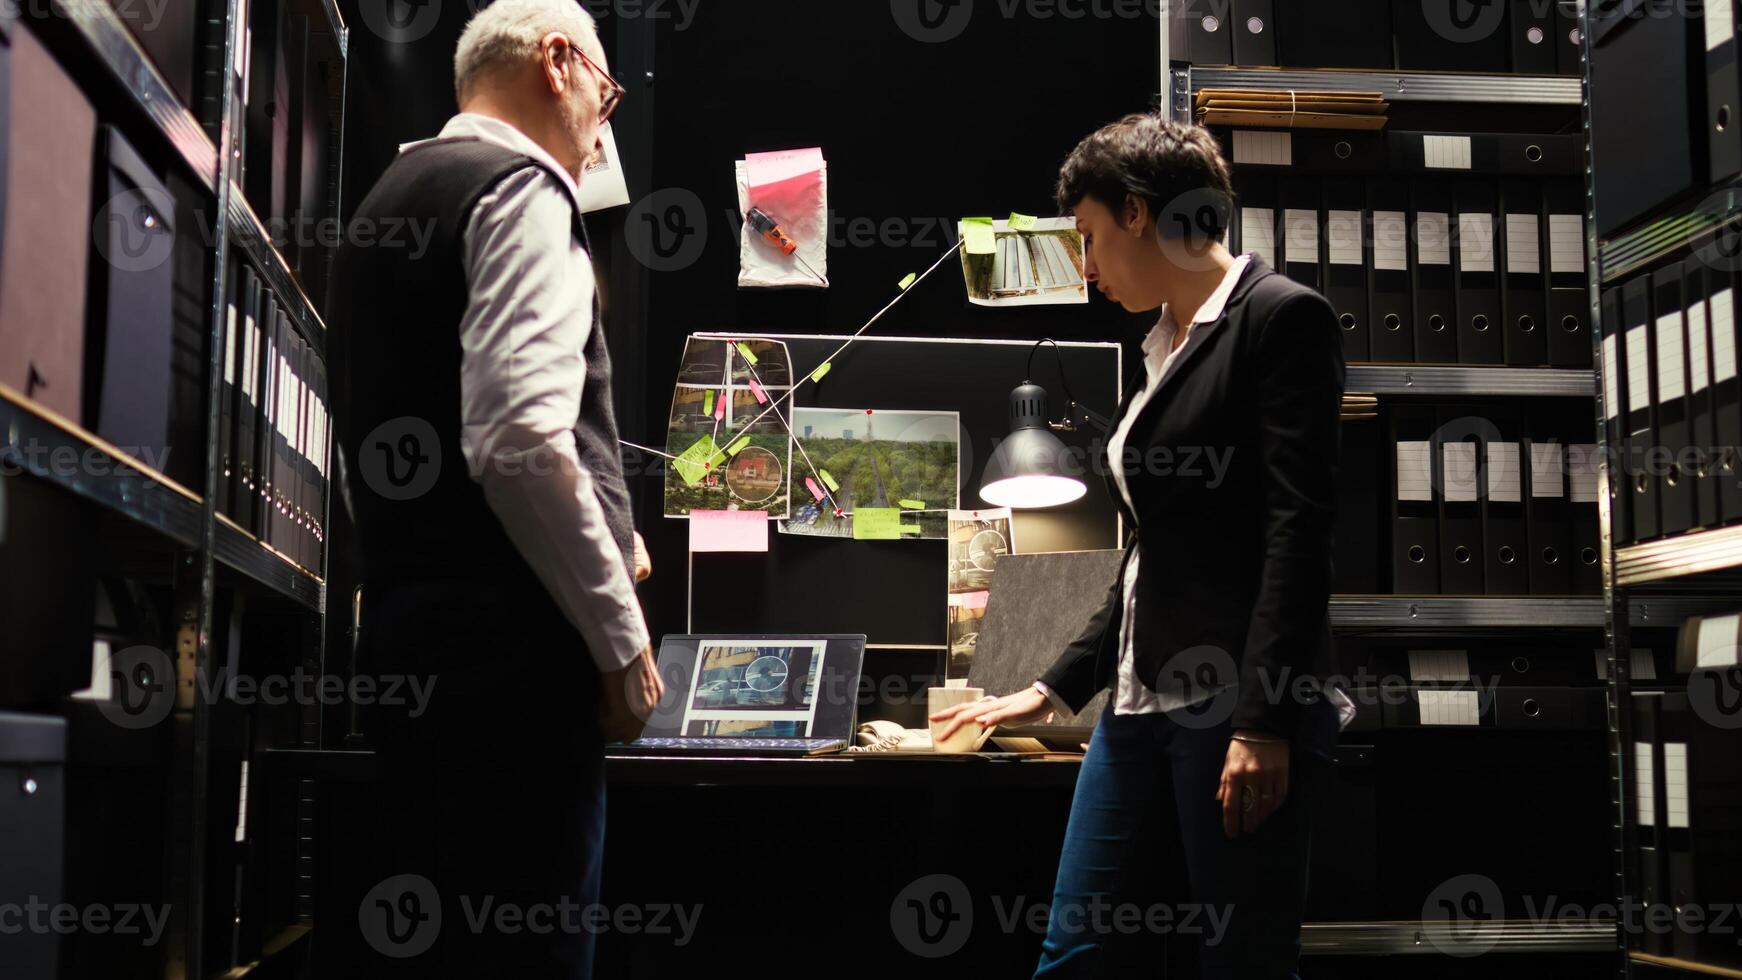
(720,407)
(728,530)
(815,490)
(756,389)
(970,600)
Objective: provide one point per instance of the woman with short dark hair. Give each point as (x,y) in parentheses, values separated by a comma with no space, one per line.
(1193,808)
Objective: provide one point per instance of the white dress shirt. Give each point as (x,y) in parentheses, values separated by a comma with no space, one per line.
(528,316)
(1130,696)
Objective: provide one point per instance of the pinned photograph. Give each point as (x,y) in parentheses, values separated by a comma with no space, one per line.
(876,459)
(731,451)
(1039,265)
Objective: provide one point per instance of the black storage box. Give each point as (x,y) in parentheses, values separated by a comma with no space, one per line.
(33,752)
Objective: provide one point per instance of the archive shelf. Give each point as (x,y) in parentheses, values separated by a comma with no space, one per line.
(1451,379)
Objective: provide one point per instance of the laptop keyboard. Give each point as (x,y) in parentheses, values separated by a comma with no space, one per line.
(737,743)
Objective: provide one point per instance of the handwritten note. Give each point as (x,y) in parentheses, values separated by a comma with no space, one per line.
(728,530)
(1021,222)
(877,523)
(694,463)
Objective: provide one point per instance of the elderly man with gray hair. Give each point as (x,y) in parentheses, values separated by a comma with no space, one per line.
(473,397)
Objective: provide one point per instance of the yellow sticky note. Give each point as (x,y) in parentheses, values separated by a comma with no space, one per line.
(977,237)
(912,504)
(876,523)
(744,349)
(1021,222)
(829,481)
(708,402)
(908,280)
(737,447)
(910,529)
(694,463)
(822,371)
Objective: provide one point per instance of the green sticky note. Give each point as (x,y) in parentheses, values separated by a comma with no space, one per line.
(908,280)
(912,504)
(876,524)
(708,402)
(829,481)
(744,349)
(1021,222)
(694,463)
(977,237)
(737,447)
(910,529)
(822,370)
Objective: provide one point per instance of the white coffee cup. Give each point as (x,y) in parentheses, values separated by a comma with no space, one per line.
(969,737)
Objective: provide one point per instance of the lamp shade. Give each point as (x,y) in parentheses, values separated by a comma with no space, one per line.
(1027,471)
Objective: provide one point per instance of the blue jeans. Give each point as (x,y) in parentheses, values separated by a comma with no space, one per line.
(1147,876)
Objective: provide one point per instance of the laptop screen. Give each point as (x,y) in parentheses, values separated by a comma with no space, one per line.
(759,686)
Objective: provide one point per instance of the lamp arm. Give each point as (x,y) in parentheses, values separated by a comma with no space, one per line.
(1070,423)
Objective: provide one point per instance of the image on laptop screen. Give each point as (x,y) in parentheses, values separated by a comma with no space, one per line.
(766,690)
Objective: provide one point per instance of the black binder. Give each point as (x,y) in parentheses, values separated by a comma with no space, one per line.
(1451,35)
(1338,152)
(243,492)
(1524,316)
(1569,40)
(1569,301)
(1254,33)
(227,394)
(1532,30)
(1430,256)
(1726,394)
(1675,477)
(284,417)
(1684,735)
(1615,417)
(266,488)
(1702,434)
(1255,198)
(1415,566)
(1209,39)
(1302,245)
(1345,274)
(1352,34)
(1646,768)
(1505,544)
(1457,454)
(1583,485)
(1488,154)
(1548,512)
(1723,99)
(1358,556)
(1480,338)
(1637,368)
(49,546)
(1391,298)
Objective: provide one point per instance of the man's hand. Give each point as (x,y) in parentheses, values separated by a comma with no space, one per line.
(643,561)
(628,697)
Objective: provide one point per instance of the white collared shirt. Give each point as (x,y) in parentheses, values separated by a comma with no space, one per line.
(528,315)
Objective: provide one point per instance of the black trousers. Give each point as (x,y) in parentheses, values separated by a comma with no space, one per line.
(493,791)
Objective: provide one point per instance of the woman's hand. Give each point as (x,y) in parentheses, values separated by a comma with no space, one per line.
(1013,709)
(1254,782)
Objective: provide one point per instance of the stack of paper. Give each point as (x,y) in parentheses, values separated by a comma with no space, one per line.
(1291,110)
(1358,406)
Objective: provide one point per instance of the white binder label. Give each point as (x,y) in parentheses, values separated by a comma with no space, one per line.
(1475,243)
(1415,478)
(1503,482)
(1644,785)
(1638,375)
(1433,237)
(1547,470)
(1699,371)
(1611,379)
(1459,460)
(230,346)
(1445,152)
(251,361)
(242,806)
(1439,665)
(1343,232)
(1582,472)
(1671,377)
(1523,244)
(1566,244)
(1391,241)
(1449,707)
(1258,232)
(1723,336)
(1718,640)
(1675,784)
(1302,228)
(1720,28)
(1266,148)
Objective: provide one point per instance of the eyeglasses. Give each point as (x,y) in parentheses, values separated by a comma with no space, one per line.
(614,97)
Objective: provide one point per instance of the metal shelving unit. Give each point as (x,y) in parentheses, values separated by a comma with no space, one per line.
(1452,613)
(1634,250)
(1393,86)
(1711,550)
(250,237)
(1504,936)
(1436,379)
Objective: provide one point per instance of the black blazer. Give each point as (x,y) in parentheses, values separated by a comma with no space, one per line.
(1237,557)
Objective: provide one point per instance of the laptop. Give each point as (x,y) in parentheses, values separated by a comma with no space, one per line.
(754,695)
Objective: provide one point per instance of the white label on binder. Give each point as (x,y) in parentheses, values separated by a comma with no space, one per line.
(1611,379)
(1439,665)
(1719,27)
(1699,371)
(1343,233)
(1258,232)
(1566,243)
(1503,482)
(1582,472)
(284,395)
(1717,641)
(1302,230)
(1449,707)
(1638,376)
(1433,237)
(1672,382)
(1547,470)
(230,346)
(250,338)
(1475,243)
(1459,460)
(1675,784)
(1415,477)
(1723,336)
(1523,244)
(1267,148)
(1391,241)
(1644,785)
(242,806)
(1445,152)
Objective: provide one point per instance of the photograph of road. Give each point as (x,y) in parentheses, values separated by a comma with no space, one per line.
(878,459)
(754,690)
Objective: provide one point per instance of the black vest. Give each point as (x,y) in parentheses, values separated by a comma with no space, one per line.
(394,322)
